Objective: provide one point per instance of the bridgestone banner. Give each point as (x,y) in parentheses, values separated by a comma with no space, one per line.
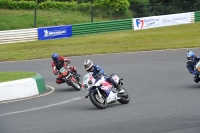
(160,21)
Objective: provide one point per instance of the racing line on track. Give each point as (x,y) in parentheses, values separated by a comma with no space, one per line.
(51,105)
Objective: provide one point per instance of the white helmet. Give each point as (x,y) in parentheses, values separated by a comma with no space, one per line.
(87,64)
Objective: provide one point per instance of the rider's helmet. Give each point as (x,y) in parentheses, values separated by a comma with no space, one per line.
(190,55)
(55,57)
(88,64)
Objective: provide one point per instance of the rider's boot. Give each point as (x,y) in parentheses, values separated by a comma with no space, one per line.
(118,87)
(60,81)
(74,71)
(78,76)
(196,78)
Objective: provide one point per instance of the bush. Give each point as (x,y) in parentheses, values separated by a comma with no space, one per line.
(58,5)
(117,6)
(107,8)
(9,4)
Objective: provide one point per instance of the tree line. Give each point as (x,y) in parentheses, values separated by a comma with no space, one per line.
(118,9)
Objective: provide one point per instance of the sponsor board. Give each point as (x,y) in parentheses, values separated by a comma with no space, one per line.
(55,32)
(160,21)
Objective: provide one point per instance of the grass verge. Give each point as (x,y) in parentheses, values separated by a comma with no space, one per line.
(9,76)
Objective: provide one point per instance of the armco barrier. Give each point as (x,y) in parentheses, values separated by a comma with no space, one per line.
(98,27)
(22,88)
(192,17)
(197,16)
(22,35)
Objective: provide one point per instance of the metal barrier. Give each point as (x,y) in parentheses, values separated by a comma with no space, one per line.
(22,35)
(192,17)
(197,16)
(98,27)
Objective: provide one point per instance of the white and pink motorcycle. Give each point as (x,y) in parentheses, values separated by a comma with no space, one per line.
(102,92)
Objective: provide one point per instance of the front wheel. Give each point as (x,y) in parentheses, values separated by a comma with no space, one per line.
(75,84)
(100,103)
(124,98)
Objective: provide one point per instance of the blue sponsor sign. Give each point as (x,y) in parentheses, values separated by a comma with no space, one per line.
(46,33)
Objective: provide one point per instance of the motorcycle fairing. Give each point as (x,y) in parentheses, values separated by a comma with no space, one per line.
(112,96)
(106,87)
(197,66)
(63,71)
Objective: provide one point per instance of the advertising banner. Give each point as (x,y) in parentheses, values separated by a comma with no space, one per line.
(55,32)
(160,21)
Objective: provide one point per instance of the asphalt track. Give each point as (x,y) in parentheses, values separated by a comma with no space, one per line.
(164,98)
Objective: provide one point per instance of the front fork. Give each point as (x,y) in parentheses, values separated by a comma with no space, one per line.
(99,94)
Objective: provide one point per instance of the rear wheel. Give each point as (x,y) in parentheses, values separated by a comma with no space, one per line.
(75,84)
(99,102)
(124,98)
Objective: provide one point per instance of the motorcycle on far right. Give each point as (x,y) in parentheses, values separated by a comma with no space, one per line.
(197,69)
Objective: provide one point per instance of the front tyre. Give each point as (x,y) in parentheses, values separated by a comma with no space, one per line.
(124,98)
(100,103)
(75,85)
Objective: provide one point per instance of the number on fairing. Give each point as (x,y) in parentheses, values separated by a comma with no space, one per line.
(62,69)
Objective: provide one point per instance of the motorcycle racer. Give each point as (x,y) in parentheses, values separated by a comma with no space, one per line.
(97,70)
(58,62)
(192,61)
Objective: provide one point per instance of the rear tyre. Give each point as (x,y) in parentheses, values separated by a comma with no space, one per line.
(124,97)
(100,103)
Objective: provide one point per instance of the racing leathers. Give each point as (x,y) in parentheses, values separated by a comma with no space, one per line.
(97,70)
(191,65)
(62,61)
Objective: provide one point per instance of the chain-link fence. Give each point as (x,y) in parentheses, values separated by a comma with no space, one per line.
(22,19)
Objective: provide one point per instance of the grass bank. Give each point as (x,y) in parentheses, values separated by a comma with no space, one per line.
(9,76)
(24,19)
(171,37)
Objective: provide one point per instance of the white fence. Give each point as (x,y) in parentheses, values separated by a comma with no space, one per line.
(22,35)
(192,17)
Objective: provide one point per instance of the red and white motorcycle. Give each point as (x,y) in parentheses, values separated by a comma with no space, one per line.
(102,92)
(68,76)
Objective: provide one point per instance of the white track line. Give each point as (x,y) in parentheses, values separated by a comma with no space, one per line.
(51,105)
(10,101)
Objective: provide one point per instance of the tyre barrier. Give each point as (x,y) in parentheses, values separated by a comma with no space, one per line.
(22,88)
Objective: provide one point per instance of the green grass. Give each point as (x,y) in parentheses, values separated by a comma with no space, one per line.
(171,37)
(23,19)
(9,76)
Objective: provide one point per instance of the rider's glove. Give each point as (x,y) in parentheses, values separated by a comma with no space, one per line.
(67,60)
(97,75)
(55,72)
